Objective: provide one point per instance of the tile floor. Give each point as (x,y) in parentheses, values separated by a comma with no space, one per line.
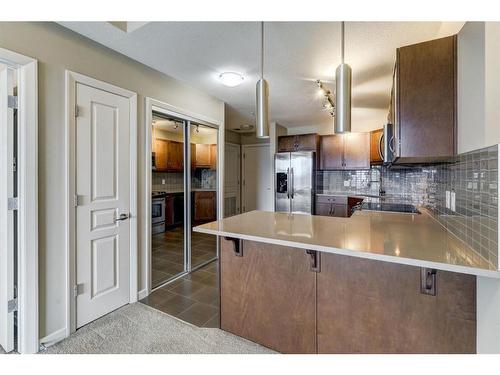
(193,298)
(168,253)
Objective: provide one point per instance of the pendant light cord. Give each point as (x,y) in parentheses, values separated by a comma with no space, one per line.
(342,41)
(262,49)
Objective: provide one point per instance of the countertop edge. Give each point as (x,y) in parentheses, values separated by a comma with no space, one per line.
(358,254)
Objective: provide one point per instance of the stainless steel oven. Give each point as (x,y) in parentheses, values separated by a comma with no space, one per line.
(158,214)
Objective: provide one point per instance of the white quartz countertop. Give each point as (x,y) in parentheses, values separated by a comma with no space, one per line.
(412,239)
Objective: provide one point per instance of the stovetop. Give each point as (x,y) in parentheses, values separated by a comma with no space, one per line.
(390,207)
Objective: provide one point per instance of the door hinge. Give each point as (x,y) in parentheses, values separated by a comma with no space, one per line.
(78,200)
(14,164)
(12,204)
(77,111)
(12,102)
(77,290)
(12,305)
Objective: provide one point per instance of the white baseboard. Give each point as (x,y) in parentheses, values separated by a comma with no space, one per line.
(142,294)
(54,337)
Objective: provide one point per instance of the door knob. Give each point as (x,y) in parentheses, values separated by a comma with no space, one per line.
(122,217)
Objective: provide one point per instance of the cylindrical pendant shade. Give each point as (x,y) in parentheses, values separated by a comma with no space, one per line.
(342,121)
(262,109)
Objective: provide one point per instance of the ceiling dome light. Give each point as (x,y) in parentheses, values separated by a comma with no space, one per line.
(231,79)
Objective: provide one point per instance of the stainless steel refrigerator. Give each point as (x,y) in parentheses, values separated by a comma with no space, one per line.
(294,181)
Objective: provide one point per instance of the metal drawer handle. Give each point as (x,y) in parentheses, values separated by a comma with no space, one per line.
(122,217)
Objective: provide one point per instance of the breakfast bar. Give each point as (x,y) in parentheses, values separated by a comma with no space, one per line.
(375,282)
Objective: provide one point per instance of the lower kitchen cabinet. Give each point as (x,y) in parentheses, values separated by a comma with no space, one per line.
(268,296)
(205,205)
(367,306)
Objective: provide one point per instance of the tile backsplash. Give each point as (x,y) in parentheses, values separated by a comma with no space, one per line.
(473,177)
(174,181)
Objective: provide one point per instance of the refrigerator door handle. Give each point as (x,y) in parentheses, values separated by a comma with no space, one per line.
(291,182)
(288,183)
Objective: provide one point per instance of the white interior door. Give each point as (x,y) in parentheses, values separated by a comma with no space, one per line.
(257,191)
(103,203)
(232,177)
(7,230)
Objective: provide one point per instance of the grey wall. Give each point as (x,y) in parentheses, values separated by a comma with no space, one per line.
(57,49)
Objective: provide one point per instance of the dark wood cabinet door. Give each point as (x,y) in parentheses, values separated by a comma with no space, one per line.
(357,151)
(204,206)
(268,295)
(302,142)
(426,86)
(287,143)
(368,306)
(161,154)
(307,142)
(331,152)
(193,156)
(376,146)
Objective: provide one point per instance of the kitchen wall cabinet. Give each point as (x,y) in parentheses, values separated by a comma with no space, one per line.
(376,146)
(202,155)
(302,142)
(425,100)
(169,155)
(268,296)
(205,207)
(345,151)
(206,156)
(368,306)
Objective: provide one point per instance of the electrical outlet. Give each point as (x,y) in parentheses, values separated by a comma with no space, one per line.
(163,181)
(347,183)
(448,198)
(452,203)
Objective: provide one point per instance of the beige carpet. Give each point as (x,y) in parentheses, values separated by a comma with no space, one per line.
(141,329)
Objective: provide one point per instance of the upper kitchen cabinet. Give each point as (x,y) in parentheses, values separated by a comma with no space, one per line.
(169,155)
(424,101)
(303,142)
(206,156)
(345,151)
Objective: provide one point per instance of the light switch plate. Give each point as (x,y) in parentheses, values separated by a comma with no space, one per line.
(347,183)
(448,198)
(452,203)
(163,181)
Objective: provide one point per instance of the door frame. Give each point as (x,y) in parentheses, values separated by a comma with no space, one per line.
(151,105)
(72,78)
(27,294)
(243,148)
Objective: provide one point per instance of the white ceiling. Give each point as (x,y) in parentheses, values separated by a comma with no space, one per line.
(297,53)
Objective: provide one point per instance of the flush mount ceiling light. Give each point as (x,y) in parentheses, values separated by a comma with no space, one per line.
(231,79)
(343,77)
(262,96)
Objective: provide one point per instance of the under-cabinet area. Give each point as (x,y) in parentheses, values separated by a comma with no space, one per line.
(302,301)
(175,248)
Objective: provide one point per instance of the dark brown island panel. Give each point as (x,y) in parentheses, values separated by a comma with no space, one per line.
(297,301)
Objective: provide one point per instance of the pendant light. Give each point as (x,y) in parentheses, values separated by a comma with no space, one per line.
(343,77)
(262,97)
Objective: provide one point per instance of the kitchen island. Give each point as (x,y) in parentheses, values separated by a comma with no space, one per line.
(372,283)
